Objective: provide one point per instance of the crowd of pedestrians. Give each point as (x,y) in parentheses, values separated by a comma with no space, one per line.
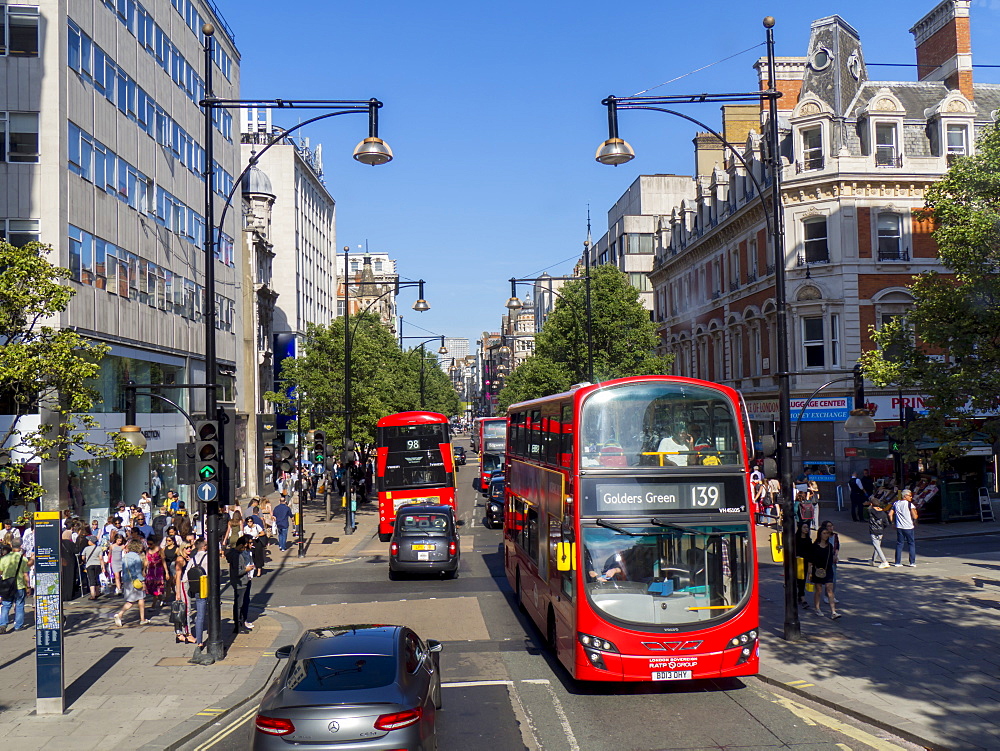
(147,559)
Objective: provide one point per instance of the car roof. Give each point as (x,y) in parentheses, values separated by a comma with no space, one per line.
(349,639)
(426,508)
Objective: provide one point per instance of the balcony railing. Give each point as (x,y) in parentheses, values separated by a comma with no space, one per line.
(733,286)
(803,261)
(808,165)
(894,255)
(770,269)
(888,160)
(751,277)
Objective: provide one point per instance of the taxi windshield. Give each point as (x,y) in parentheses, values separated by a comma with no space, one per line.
(423,523)
(667,575)
(659,424)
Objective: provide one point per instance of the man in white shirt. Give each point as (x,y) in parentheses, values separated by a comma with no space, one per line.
(903,514)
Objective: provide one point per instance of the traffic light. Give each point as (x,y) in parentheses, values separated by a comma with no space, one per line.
(319,447)
(207,457)
(769,448)
(286,458)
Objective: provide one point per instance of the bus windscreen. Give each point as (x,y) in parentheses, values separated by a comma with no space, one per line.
(414,456)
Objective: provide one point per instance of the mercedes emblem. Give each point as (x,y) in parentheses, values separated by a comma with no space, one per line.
(333,727)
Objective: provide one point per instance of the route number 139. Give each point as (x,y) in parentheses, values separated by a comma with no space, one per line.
(705,495)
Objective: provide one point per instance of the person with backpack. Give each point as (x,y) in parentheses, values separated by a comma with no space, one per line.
(805,509)
(14,586)
(189,579)
(878,520)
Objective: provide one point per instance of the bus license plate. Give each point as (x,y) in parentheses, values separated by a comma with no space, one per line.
(671,675)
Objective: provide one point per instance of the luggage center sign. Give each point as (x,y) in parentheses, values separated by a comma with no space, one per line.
(819,409)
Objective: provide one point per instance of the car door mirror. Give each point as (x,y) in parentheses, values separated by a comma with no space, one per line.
(433,645)
(283,653)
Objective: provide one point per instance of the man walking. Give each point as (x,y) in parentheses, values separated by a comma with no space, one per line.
(282,516)
(14,566)
(858,498)
(240,569)
(903,515)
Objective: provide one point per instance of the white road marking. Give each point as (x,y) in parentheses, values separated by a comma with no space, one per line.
(563,719)
(472,684)
(814,717)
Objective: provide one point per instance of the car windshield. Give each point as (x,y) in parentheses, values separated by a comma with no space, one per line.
(659,424)
(667,575)
(341,673)
(496,490)
(424,523)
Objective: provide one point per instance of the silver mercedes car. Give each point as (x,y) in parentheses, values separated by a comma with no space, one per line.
(353,688)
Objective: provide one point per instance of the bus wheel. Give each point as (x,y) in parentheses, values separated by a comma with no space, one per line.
(384,536)
(550,633)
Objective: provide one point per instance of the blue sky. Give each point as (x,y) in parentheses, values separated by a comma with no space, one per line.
(493,112)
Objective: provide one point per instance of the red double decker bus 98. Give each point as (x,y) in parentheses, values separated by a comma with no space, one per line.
(414,464)
(628,533)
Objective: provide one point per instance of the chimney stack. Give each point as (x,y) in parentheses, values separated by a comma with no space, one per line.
(944,46)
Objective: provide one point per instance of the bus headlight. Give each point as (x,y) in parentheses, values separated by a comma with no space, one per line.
(746,643)
(593,642)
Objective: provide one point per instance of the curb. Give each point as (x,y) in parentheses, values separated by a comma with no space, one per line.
(784,681)
(255,684)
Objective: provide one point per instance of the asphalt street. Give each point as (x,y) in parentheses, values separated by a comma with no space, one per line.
(502,690)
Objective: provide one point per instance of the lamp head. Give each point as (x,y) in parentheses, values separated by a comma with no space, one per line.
(860,422)
(421,305)
(504,350)
(374,151)
(442,350)
(514,304)
(133,434)
(614,151)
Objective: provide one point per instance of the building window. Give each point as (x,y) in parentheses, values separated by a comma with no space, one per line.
(812,342)
(812,149)
(890,237)
(18,136)
(834,339)
(957,140)
(19,30)
(815,240)
(638,244)
(19,232)
(886,148)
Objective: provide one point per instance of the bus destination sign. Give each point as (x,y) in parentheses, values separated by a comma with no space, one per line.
(641,498)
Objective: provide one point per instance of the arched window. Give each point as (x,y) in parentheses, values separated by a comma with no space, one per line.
(890,237)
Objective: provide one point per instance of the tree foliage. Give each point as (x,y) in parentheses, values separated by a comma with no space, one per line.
(948,343)
(624,338)
(42,365)
(384,380)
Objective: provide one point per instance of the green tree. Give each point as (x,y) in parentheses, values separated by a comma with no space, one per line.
(948,344)
(44,366)
(384,380)
(624,338)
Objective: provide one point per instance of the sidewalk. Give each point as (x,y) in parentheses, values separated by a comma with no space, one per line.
(917,651)
(134,685)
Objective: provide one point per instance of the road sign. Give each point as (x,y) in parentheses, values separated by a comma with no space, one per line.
(207,491)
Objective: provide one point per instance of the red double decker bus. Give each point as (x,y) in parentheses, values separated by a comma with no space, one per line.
(414,464)
(491,435)
(628,532)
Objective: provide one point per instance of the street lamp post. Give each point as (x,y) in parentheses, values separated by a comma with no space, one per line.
(372,151)
(615,151)
(515,304)
(442,350)
(348,455)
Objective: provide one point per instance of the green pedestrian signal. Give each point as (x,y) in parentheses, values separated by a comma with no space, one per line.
(206,450)
(319,447)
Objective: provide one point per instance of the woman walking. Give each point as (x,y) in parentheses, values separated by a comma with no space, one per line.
(267,516)
(803,549)
(117,549)
(258,544)
(171,550)
(133,586)
(878,520)
(156,572)
(824,563)
(182,625)
(235,528)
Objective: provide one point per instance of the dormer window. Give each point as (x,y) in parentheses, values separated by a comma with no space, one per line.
(957,140)
(886,145)
(812,148)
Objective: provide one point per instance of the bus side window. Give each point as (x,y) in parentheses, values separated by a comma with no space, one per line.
(531,541)
(567,433)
